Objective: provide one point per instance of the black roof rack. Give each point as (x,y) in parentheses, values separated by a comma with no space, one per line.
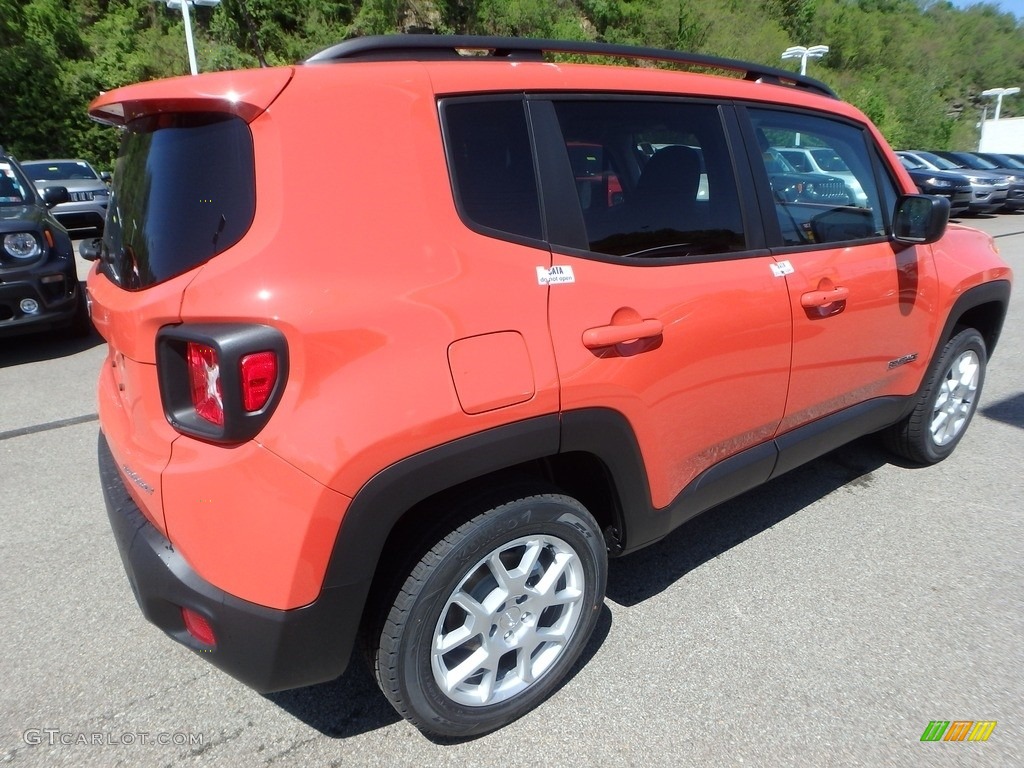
(449,47)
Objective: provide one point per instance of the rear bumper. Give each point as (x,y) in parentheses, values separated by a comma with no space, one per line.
(265,648)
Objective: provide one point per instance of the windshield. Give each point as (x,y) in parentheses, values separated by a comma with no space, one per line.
(911,163)
(776,163)
(58,170)
(939,162)
(15,189)
(1005,161)
(184,191)
(828,160)
(973,161)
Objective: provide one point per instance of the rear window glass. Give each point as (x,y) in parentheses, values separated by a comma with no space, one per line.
(183,191)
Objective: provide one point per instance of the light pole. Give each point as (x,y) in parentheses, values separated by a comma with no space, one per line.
(802,53)
(999,93)
(184,6)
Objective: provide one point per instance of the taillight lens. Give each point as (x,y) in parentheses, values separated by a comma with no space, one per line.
(204,379)
(259,374)
(221,382)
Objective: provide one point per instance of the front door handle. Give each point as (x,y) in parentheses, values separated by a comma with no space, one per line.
(817,299)
(610,335)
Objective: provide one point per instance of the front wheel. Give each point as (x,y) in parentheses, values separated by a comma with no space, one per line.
(946,404)
(493,616)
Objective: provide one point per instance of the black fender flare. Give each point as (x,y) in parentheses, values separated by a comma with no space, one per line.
(382,502)
(996,292)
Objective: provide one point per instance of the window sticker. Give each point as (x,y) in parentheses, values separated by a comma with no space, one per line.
(555,275)
(782,268)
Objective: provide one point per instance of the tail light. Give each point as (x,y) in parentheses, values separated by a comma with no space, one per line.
(259,375)
(204,379)
(221,382)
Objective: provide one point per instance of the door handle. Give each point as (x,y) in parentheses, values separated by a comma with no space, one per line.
(813,299)
(610,335)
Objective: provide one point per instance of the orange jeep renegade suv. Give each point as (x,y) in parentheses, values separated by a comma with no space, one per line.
(404,343)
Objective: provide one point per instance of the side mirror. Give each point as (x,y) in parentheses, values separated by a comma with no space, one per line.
(90,249)
(55,196)
(105,176)
(920,219)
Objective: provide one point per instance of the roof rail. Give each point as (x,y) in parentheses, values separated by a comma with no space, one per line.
(448,47)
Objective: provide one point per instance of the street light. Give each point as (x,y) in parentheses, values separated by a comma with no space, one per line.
(999,93)
(802,53)
(184,6)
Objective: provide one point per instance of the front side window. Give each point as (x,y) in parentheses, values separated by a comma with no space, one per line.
(654,179)
(821,177)
(184,191)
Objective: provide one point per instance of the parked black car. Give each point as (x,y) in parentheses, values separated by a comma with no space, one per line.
(39,287)
(955,187)
(970,160)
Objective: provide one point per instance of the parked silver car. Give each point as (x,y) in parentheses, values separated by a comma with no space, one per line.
(84,214)
(989,189)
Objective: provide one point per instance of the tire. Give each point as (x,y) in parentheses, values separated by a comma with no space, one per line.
(493,616)
(946,404)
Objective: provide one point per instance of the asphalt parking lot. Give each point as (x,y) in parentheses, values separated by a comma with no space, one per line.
(825,619)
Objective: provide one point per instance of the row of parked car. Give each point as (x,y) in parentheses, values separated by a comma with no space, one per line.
(974,182)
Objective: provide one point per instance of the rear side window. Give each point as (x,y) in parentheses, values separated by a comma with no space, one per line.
(491,164)
(654,179)
(183,191)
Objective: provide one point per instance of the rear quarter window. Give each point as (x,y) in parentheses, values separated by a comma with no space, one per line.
(183,192)
(490,160)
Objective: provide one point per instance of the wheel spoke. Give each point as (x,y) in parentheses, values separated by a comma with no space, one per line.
(478,614)
(501,574)
(453,639)
(525,660)
(458,675)
(549,581)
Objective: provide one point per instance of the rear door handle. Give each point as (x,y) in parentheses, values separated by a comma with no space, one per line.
(813,299)
(610,335)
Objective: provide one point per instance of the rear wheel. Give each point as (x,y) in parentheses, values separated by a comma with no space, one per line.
(946,404)
(493,616)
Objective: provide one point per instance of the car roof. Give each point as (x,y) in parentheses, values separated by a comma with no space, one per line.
(248,93)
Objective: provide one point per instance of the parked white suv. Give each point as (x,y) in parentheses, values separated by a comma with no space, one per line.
(824,160)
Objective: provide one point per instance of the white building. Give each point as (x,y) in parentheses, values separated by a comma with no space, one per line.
(1004,135)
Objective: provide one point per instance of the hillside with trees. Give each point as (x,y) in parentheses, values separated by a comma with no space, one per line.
(916,67)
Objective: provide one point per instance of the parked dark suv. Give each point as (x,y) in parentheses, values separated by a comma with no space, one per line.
(569,308)
(39,287)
